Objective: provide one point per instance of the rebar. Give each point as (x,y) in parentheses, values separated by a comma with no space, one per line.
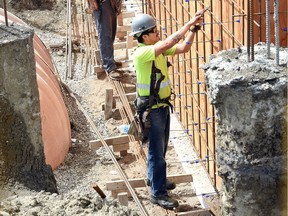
(5,12)
(268,39)
(250,35)
(276,21)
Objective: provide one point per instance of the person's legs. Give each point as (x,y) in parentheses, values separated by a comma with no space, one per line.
(106,23)
(170,185)
(156,151)
(158,141)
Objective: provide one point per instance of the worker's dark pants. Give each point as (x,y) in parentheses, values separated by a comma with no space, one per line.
(157,147)
(106,24)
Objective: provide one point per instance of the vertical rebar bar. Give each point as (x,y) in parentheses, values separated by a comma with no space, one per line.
(260,19)
(268,39)
(276,21)
(248,30)
(250,35)
(5,12)
(233,24)
(252,29)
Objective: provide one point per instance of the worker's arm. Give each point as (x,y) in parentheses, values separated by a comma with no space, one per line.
(177,36)
(185,46)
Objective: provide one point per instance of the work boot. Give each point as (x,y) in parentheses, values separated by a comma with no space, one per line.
(115,74)
(170,185)
(165,202)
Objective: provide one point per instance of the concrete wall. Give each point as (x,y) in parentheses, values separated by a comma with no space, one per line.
(21,147)
(250,99)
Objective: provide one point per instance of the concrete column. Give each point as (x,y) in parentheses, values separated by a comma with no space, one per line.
(250,100)
(21,148)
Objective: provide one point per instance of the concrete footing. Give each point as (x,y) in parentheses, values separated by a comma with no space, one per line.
(250,100)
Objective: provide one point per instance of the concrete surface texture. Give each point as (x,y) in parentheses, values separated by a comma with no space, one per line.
(250,100)
(22,155)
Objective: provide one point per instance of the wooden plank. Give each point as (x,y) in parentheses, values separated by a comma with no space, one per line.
(123,153)
(98,69)
(116,192)
(99,191)
(197,212)
(131,42)
(121,34)
(118,140)
(130,96)
(108,103)
(123,198)
(124,28)
(98,57)
(124,45)
(120,45)
(128,14)
(140,182)
(121,148)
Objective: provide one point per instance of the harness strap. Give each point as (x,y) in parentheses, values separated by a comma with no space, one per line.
(153,99)
(155,85)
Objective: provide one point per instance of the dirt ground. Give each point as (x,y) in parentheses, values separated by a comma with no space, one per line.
(83,166)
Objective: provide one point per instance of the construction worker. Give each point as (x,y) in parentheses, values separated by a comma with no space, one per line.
(153,94)
(106,12)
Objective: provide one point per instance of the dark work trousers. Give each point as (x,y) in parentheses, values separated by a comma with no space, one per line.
(157,147)
(106,24)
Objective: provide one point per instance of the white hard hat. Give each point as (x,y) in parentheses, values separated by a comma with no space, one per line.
(141,23)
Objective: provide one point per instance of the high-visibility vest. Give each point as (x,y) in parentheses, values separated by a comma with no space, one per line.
(142,59)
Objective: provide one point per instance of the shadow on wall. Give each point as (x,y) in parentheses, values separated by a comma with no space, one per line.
(56,131)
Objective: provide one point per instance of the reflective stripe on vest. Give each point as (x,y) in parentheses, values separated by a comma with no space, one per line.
(142,86)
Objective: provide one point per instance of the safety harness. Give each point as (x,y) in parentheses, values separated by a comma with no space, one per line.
(144,104)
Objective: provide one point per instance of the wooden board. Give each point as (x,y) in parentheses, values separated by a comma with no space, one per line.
(118,140)
(140,182)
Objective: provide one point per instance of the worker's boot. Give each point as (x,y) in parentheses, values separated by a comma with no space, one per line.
(165,201)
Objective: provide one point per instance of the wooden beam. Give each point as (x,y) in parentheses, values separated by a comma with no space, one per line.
(131,42)
(118,140)
(124,45)
(99,191)
(130,96)
(128,14)
(121,148)
(108,103)
(124,28)
(140,182)
(99,71)
(123,198)
(121,34)
(98,57)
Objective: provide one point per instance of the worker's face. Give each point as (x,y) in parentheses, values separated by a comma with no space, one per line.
(151,36)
